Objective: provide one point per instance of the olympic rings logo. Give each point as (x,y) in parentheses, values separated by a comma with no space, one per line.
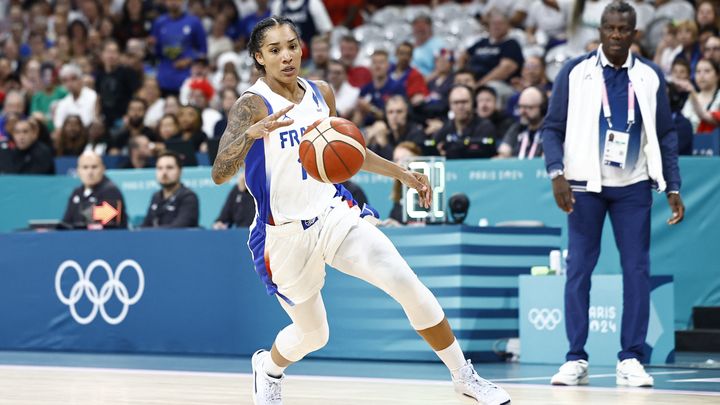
(544,318)
(112,287)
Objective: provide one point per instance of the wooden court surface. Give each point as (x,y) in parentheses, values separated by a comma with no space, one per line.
(41,385)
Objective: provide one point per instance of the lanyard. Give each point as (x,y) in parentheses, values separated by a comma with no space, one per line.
(524,145)
(631,105)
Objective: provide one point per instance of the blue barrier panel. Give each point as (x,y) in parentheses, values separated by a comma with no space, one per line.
(194,291)
(707,144)
(499,190)
(542,320)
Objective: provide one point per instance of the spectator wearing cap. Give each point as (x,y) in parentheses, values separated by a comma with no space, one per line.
(80,101)
(497,58)
(358,76)
(179,39)
(115,85)
(200,69)
(346,96)
(201,92)
(29,156)
(50,93)
(426,45)
(409,77)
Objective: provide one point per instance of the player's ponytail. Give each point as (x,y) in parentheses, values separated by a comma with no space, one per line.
(258,36)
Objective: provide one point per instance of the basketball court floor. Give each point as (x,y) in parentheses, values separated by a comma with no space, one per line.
(81,379)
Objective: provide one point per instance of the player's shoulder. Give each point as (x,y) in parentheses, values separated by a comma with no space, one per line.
(323,86)
(252,104)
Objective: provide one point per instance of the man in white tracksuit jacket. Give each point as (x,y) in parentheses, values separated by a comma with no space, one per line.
(608,140)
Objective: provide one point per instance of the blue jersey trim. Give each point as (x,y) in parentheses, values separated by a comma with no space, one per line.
(317,95)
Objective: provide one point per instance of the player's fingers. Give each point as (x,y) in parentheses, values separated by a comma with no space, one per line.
(273,125)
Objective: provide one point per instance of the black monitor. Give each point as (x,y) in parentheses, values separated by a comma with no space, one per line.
(185,149)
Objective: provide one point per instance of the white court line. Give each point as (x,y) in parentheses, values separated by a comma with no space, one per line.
(359,379)
(710,380)
(590,376)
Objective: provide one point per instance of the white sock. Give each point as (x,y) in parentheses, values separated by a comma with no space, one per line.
(452,356)
(272,369)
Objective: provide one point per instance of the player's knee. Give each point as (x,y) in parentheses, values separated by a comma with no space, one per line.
(318,338)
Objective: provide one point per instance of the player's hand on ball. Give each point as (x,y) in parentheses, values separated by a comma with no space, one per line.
(419,182)
(270,123)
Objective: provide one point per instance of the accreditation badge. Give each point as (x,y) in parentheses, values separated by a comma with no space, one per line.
(616,147)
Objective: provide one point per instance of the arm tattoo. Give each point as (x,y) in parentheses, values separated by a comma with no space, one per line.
(235,144)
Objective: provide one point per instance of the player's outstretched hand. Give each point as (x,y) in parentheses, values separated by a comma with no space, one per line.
(270,123)
(419,182)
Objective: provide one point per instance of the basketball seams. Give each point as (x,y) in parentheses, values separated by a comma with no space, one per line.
(348,139)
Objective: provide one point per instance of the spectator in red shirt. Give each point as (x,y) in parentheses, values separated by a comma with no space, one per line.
(358,76)
(413,81)
(345,12)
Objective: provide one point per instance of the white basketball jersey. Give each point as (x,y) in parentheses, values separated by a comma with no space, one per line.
(283,191)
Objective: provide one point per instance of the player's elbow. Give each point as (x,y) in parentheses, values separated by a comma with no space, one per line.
(218,178)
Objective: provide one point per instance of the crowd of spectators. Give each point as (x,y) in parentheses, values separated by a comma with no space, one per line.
(136,78)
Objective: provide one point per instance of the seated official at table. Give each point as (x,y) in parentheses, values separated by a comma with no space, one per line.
(174,206)
(239,208)
(97,203)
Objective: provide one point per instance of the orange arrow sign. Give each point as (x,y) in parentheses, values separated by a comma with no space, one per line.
(104,213)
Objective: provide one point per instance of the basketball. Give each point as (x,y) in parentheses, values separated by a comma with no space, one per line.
(332,150)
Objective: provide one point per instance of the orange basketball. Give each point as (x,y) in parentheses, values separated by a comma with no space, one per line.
(332,150)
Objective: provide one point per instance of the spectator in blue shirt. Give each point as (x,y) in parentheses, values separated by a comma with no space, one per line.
(497,57)
(179,38)
(374,94)
(250,20)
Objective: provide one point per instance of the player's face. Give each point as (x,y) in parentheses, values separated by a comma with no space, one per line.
(281,54)
(90,170)
(167,171)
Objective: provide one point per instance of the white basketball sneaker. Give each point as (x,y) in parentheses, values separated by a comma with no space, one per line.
(472,387)
(572,373)
(266,389)
(631,373)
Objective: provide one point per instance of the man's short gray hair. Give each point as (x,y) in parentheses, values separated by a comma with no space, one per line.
(620,7)
(70,70)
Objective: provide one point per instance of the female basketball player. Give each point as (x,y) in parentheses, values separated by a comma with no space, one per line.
(301,224)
